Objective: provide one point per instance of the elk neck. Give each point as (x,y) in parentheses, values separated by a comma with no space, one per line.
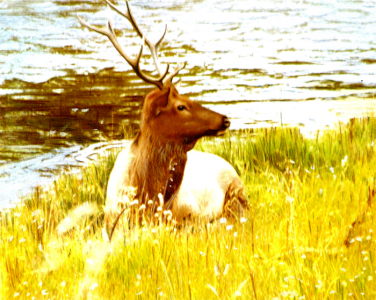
(158,166)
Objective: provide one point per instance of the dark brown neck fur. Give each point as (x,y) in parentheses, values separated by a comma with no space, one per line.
(158,167)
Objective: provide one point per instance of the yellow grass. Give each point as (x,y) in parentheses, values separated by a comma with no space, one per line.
(309,234)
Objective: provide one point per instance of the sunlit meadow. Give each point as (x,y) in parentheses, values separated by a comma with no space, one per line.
(308,235)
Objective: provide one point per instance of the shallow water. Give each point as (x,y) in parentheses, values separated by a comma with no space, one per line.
(263,63)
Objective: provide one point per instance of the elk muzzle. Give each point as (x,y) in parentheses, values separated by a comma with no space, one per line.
(225,124)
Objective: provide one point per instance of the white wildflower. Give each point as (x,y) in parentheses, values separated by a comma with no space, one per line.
(285,294)
(229,227)
(134,202)
(35,213)
(344,161)
(93,286)
(44,292)
(243,220)
(331,170)
(222,220)
(63,284)
(167,213)
(290,199)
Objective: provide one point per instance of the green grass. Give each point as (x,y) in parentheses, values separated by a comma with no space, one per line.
(309,233)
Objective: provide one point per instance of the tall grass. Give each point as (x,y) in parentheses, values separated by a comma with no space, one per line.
(309,233)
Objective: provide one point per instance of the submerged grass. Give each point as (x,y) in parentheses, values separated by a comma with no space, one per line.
(309,234)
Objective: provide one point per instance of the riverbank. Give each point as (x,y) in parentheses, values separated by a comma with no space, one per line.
(309,234)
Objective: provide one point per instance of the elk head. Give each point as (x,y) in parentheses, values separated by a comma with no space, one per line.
(178,119)
(166,114)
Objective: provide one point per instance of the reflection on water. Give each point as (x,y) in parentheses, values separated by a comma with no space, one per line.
(309,63)
(66,110)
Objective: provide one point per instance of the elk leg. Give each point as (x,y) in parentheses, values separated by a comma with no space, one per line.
(235,202)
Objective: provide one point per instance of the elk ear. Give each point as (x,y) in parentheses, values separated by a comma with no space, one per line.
(161,101)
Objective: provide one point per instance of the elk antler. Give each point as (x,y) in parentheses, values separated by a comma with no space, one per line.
(135,62)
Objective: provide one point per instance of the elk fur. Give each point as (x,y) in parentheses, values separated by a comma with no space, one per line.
(210,185)
(160,161)
(200,185)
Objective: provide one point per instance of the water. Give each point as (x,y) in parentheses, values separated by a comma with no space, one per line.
(263,63)
(18,179)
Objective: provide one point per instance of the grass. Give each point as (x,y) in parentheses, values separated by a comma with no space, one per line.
(309,234)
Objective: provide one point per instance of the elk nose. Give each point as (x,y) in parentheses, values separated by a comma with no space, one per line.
(226,122)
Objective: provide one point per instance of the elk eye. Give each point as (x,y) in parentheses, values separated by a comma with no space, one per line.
(181,107)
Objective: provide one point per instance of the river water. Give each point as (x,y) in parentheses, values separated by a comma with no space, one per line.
(308,63)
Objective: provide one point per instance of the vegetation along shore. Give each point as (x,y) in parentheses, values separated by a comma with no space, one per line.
(308,235)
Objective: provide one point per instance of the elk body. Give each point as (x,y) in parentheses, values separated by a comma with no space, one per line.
(160,161)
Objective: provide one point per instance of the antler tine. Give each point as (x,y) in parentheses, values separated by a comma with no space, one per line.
(134,62)
(152,46)
(176,70)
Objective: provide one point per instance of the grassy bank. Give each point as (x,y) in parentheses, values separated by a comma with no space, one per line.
(309,235)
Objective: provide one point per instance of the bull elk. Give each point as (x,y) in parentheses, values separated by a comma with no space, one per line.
(160,161)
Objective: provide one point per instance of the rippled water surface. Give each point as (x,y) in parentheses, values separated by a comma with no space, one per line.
(263,63)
